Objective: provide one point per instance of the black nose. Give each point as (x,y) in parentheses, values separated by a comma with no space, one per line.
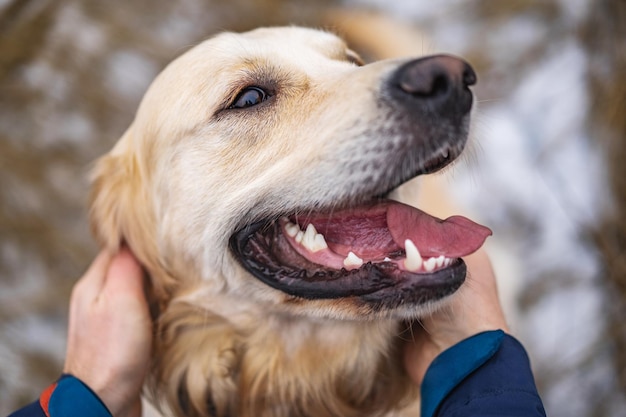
(436,83)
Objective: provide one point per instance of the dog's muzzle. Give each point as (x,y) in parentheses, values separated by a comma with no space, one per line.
(380,252)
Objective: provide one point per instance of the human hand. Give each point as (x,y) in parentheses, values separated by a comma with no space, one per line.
(474,308)
(110,332)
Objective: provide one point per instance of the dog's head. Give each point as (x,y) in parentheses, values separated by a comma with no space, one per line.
(259,165)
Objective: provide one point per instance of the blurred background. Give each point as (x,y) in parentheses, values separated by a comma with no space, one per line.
(549,179)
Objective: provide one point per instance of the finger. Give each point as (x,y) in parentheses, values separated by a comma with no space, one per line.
(479,267)
(125,275)
(90,284)
(135,409)
(482,292)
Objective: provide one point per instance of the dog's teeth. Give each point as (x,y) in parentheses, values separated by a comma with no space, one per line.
(413,261)
(440,261)
(292,229)
(352,261)
(320,242)
(309,236)
(430,264)
(312,240)
(299,236)
(387,259)
(447,262)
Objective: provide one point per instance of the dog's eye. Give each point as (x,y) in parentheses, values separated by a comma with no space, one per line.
(249,97)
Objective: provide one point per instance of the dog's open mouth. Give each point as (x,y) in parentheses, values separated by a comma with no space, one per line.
(384,252)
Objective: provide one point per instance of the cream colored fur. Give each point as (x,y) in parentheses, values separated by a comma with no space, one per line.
(188,172)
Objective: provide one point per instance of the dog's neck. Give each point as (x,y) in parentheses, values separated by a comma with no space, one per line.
(257,364)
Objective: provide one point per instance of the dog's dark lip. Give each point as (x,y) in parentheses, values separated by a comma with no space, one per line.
(442,157)
(380,285)
(441,160)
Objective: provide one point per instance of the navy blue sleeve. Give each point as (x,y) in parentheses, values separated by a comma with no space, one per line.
(487,374)
(68,397)
(31,410)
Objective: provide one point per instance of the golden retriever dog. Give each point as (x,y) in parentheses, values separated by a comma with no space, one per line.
(256,186)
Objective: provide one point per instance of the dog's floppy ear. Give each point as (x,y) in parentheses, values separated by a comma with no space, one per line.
(120,212)
(114,182)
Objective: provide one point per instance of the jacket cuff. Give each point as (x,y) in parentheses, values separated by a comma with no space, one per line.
(70,397)
(455,364)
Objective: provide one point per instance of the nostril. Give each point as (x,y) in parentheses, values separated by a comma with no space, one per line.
(440,85)
(469,76)
(435,76)
(424,79)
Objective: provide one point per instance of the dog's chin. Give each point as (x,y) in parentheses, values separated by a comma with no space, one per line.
(381,253)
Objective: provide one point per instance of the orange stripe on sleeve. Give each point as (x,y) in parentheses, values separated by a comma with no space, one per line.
(44,398)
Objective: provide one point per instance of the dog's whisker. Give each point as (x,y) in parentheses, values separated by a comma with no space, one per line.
(490,100)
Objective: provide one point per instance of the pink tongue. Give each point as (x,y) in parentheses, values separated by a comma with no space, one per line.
(454,237)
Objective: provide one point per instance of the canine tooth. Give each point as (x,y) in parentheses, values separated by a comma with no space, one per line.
(413,261)
(292,229)
(387,259)
(352,260)
(429,265)
(440,261)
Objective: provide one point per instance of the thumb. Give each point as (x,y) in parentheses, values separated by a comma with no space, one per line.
(125,275)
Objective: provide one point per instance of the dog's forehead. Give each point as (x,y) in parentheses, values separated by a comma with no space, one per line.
(297,48)
(284,41)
